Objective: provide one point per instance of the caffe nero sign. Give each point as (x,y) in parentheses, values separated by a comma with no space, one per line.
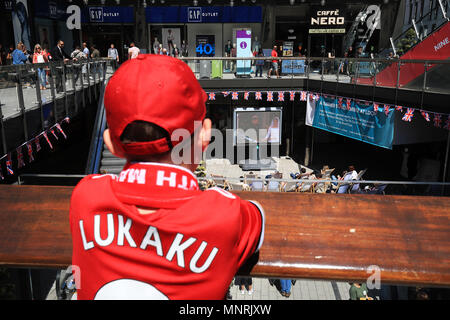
(327,20)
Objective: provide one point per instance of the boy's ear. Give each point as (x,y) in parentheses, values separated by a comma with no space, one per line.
(112,147)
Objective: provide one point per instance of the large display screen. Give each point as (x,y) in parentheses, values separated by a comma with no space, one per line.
(257,125)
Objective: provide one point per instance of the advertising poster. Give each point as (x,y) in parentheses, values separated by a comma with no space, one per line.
(205,45)
(21,23)
(243,49)
(352,119)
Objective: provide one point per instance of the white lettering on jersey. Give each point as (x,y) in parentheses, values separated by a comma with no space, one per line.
(124,231)
(198,254)
(110,237)
(152,231)
(160,179)
(134,175)
(86,245)
(183,184)
(151,238)
(178,248)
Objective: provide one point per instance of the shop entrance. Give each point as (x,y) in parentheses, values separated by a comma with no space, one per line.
(324,45)
(103,36)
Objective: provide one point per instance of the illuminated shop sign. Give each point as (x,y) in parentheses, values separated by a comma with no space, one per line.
(107,15)
(331,20)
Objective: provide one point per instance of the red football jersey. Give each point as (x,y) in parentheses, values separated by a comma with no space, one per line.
(189,248)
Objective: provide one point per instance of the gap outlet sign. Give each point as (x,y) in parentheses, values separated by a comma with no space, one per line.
(179,14)
(107,15)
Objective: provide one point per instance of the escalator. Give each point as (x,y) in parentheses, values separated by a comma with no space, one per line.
(100,159)
(435,46)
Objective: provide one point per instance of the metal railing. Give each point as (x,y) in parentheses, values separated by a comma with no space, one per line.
(54,95)
(418,75)
(262,184)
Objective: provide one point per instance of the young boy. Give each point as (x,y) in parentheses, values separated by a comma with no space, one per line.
(150,233)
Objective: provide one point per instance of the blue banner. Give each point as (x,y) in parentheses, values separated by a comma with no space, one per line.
(179,14)
(353,119)
(293,66)
(107,15)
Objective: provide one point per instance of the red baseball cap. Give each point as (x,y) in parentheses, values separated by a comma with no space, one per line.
(157,89)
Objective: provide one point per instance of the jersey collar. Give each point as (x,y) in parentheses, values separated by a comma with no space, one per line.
(155,185)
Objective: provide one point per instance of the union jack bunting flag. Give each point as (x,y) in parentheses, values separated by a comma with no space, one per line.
(340,101)
(269,96)
(37,143)
(48,140)
(212,96)
(349,104)
(408,115)
(30,152)
(52,130)
(425,115)
(226,93)
(20,162)
(291,95)
(447,123)
(303,95)
(280,95)
(235,95)
(386,110)
(437,120)
(9,165)
(258,95)
(316,97)
(246,95)
(376,107)
(399,108)
(58,126)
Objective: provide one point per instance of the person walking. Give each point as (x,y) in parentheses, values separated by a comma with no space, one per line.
(259,63)
(274,66)
(59,55)
(40,57)
(113,54)
(133,51)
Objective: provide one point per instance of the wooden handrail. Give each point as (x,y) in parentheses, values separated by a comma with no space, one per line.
(316,236)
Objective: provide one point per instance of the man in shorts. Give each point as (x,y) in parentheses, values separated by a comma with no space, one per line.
(274,66)
(150,233)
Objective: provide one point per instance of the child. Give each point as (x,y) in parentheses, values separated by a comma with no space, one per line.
(150,233)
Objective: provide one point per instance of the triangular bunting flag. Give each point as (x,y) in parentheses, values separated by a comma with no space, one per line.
(269,96)
(246,95)
(437,120)
(386,110)
(258,95)
(291,95)
(447,123)
(226,93)
(30,152)
(20,162)
(9,165)
(58,126)
(280,95)
(303,96)
(376,107)
(235,95)
(408,115)
(212,96)
(425,115)
(48,140)
(37,143)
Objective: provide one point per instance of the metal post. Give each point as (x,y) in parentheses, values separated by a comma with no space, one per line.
(83,99)
(22,105)
(2,128)
(444,175)
(66,103)
(75,99)
(53,71)
(39,97)
(89,81)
